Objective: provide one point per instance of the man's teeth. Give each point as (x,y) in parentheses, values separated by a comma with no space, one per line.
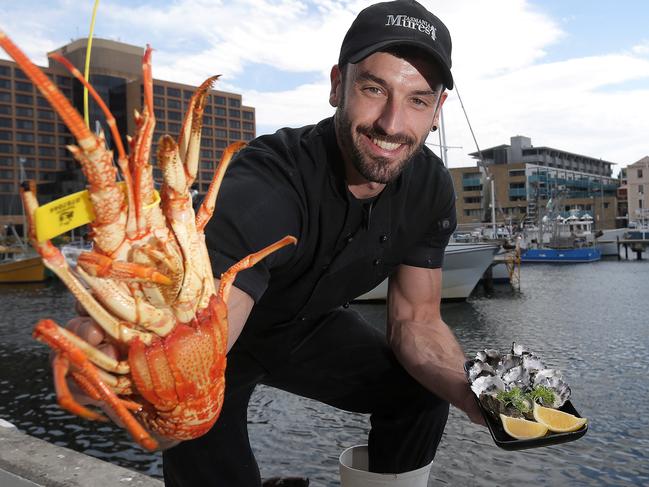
(383,144)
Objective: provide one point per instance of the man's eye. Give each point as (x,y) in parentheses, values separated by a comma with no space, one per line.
(419,102)
(373,90)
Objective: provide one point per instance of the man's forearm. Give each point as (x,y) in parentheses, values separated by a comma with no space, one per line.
(432,355)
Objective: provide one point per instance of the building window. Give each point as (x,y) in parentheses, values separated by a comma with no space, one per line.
(18,73)
(221,133)
(248,115)
(234,102)
(5,122)
(24,112)
(248,126)
(4,71)
(219,122)
(220,111)
(24,124)
(45,114)
(5,135)
(173,92)
(472,200)
(207,109)
(23,86)
(174,128)
(207,131)
(171,115)
(5,109)
(639,173)
(235,124)
(26,149)
(158,101)
(235,135)
(4,96)
(219,100)
(24,137)
(5,83)
(640,188)
(25,99)
(175,104)
(158,89)
(247,136)
(235,113)
(6,148)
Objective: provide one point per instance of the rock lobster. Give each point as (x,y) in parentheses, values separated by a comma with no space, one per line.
(147,280)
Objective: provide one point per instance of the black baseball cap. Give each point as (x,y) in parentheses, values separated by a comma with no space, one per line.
(398,23)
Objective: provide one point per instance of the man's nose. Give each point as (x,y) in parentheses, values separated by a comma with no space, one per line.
(391,117)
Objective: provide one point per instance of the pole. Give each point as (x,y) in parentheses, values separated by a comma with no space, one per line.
(493,208)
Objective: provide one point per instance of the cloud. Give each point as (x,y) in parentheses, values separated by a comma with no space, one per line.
(590,105)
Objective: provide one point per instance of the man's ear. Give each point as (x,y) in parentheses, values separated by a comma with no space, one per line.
(336,86)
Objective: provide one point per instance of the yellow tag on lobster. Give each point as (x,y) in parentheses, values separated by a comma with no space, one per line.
(72,211)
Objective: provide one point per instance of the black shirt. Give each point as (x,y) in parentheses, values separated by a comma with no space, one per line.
(292,183)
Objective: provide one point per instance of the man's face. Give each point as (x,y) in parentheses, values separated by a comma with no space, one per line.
(386,106)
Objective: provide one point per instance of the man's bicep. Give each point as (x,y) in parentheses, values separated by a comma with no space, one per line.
(414,294)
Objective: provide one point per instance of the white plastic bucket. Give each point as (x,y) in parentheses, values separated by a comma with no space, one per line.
(353,472)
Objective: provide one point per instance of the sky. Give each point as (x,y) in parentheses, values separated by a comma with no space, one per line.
(569,74)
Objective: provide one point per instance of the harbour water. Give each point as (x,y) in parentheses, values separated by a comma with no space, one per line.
(589,320)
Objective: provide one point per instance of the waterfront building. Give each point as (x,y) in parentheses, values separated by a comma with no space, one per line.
(527,177)
(638,191)
(32,135)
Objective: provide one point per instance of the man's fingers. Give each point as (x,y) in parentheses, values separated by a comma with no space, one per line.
(110,350)
(86,329)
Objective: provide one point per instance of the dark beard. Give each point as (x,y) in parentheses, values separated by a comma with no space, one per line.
(375,169)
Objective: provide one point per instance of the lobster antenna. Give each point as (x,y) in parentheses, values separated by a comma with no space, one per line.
(86,70)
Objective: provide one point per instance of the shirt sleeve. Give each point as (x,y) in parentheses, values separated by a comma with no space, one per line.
(256,206)
(428,252)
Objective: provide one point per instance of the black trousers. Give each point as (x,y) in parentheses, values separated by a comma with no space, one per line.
(345,363)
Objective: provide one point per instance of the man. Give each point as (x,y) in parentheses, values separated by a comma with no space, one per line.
(366,200)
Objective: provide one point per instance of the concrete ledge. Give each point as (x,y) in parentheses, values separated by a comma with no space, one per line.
(26,461)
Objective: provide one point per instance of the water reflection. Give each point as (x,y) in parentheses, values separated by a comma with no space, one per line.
(588,320)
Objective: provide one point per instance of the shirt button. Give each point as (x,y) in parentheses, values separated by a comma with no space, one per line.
(346,305)
(349,238)
(383,239)
(302,318)
(377,261)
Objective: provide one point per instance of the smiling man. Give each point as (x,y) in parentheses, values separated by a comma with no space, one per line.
(367,201)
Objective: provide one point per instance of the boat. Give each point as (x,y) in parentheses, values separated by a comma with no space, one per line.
(464,265)
(561,255)
(19,263)
(22,268)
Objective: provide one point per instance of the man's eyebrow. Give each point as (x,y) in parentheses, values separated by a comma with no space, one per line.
(367,76)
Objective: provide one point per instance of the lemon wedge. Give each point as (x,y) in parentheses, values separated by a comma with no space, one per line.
(558,421)
(522,429)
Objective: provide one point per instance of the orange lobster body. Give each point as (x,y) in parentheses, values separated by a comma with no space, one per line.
(147,281)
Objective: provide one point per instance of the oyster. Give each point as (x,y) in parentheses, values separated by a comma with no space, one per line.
(479,369)
(511,383)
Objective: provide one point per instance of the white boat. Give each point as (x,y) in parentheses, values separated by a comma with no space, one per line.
(464,265)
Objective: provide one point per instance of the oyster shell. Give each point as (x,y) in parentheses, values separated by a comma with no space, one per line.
(522,370)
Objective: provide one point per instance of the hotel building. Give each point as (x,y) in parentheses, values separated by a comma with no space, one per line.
(526,177)
(33,139)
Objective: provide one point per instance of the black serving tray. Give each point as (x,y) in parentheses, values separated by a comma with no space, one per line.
(506,442)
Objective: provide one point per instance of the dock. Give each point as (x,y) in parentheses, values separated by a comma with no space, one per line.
(26,461)
(637,245)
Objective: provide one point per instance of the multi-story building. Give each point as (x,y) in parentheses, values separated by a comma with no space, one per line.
(638,190)
(526,178)
(33,139)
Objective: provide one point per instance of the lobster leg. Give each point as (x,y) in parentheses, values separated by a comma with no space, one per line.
(61,368)
(100,265)
(50,333)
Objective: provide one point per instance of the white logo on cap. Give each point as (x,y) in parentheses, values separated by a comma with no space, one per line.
(412,23)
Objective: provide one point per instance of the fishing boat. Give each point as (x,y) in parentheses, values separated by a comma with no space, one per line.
(464,265)
(558,255)
(22,268)
(18,262)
